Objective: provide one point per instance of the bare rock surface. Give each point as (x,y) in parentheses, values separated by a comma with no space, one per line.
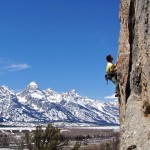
(134,74)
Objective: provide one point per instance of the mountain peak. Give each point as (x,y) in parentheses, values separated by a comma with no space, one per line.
(32,86)
(33,83)
(72,92)
(4,87)
(50,91)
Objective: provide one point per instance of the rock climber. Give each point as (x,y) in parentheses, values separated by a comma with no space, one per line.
(111,74)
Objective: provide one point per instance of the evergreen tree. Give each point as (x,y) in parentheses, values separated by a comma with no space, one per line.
(49,139)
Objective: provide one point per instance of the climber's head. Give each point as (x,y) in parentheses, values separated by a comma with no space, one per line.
(109,58)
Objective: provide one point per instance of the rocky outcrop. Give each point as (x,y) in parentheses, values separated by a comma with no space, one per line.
(134,74)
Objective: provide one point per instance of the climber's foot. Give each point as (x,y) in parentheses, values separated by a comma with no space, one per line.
(117,95)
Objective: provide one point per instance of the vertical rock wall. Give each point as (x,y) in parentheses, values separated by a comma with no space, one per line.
(134,74)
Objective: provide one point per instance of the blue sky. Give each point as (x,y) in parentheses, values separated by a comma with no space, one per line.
(60,44)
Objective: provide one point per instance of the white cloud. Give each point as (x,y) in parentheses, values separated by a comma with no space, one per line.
(16,67)
(110,97)
(8,66)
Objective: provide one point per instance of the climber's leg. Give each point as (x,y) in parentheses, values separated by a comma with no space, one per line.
(114,80)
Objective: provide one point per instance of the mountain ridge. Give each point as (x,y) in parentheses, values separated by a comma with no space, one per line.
(33,105)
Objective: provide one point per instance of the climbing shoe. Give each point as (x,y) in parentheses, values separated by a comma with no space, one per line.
(117,95)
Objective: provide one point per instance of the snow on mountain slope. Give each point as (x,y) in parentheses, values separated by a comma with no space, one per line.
(33,105)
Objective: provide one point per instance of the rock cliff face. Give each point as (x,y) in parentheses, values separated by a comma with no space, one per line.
(134,74)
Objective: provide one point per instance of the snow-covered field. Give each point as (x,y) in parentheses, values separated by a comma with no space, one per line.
(115,128)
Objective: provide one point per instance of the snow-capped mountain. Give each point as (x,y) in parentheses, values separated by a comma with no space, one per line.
(32,106)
